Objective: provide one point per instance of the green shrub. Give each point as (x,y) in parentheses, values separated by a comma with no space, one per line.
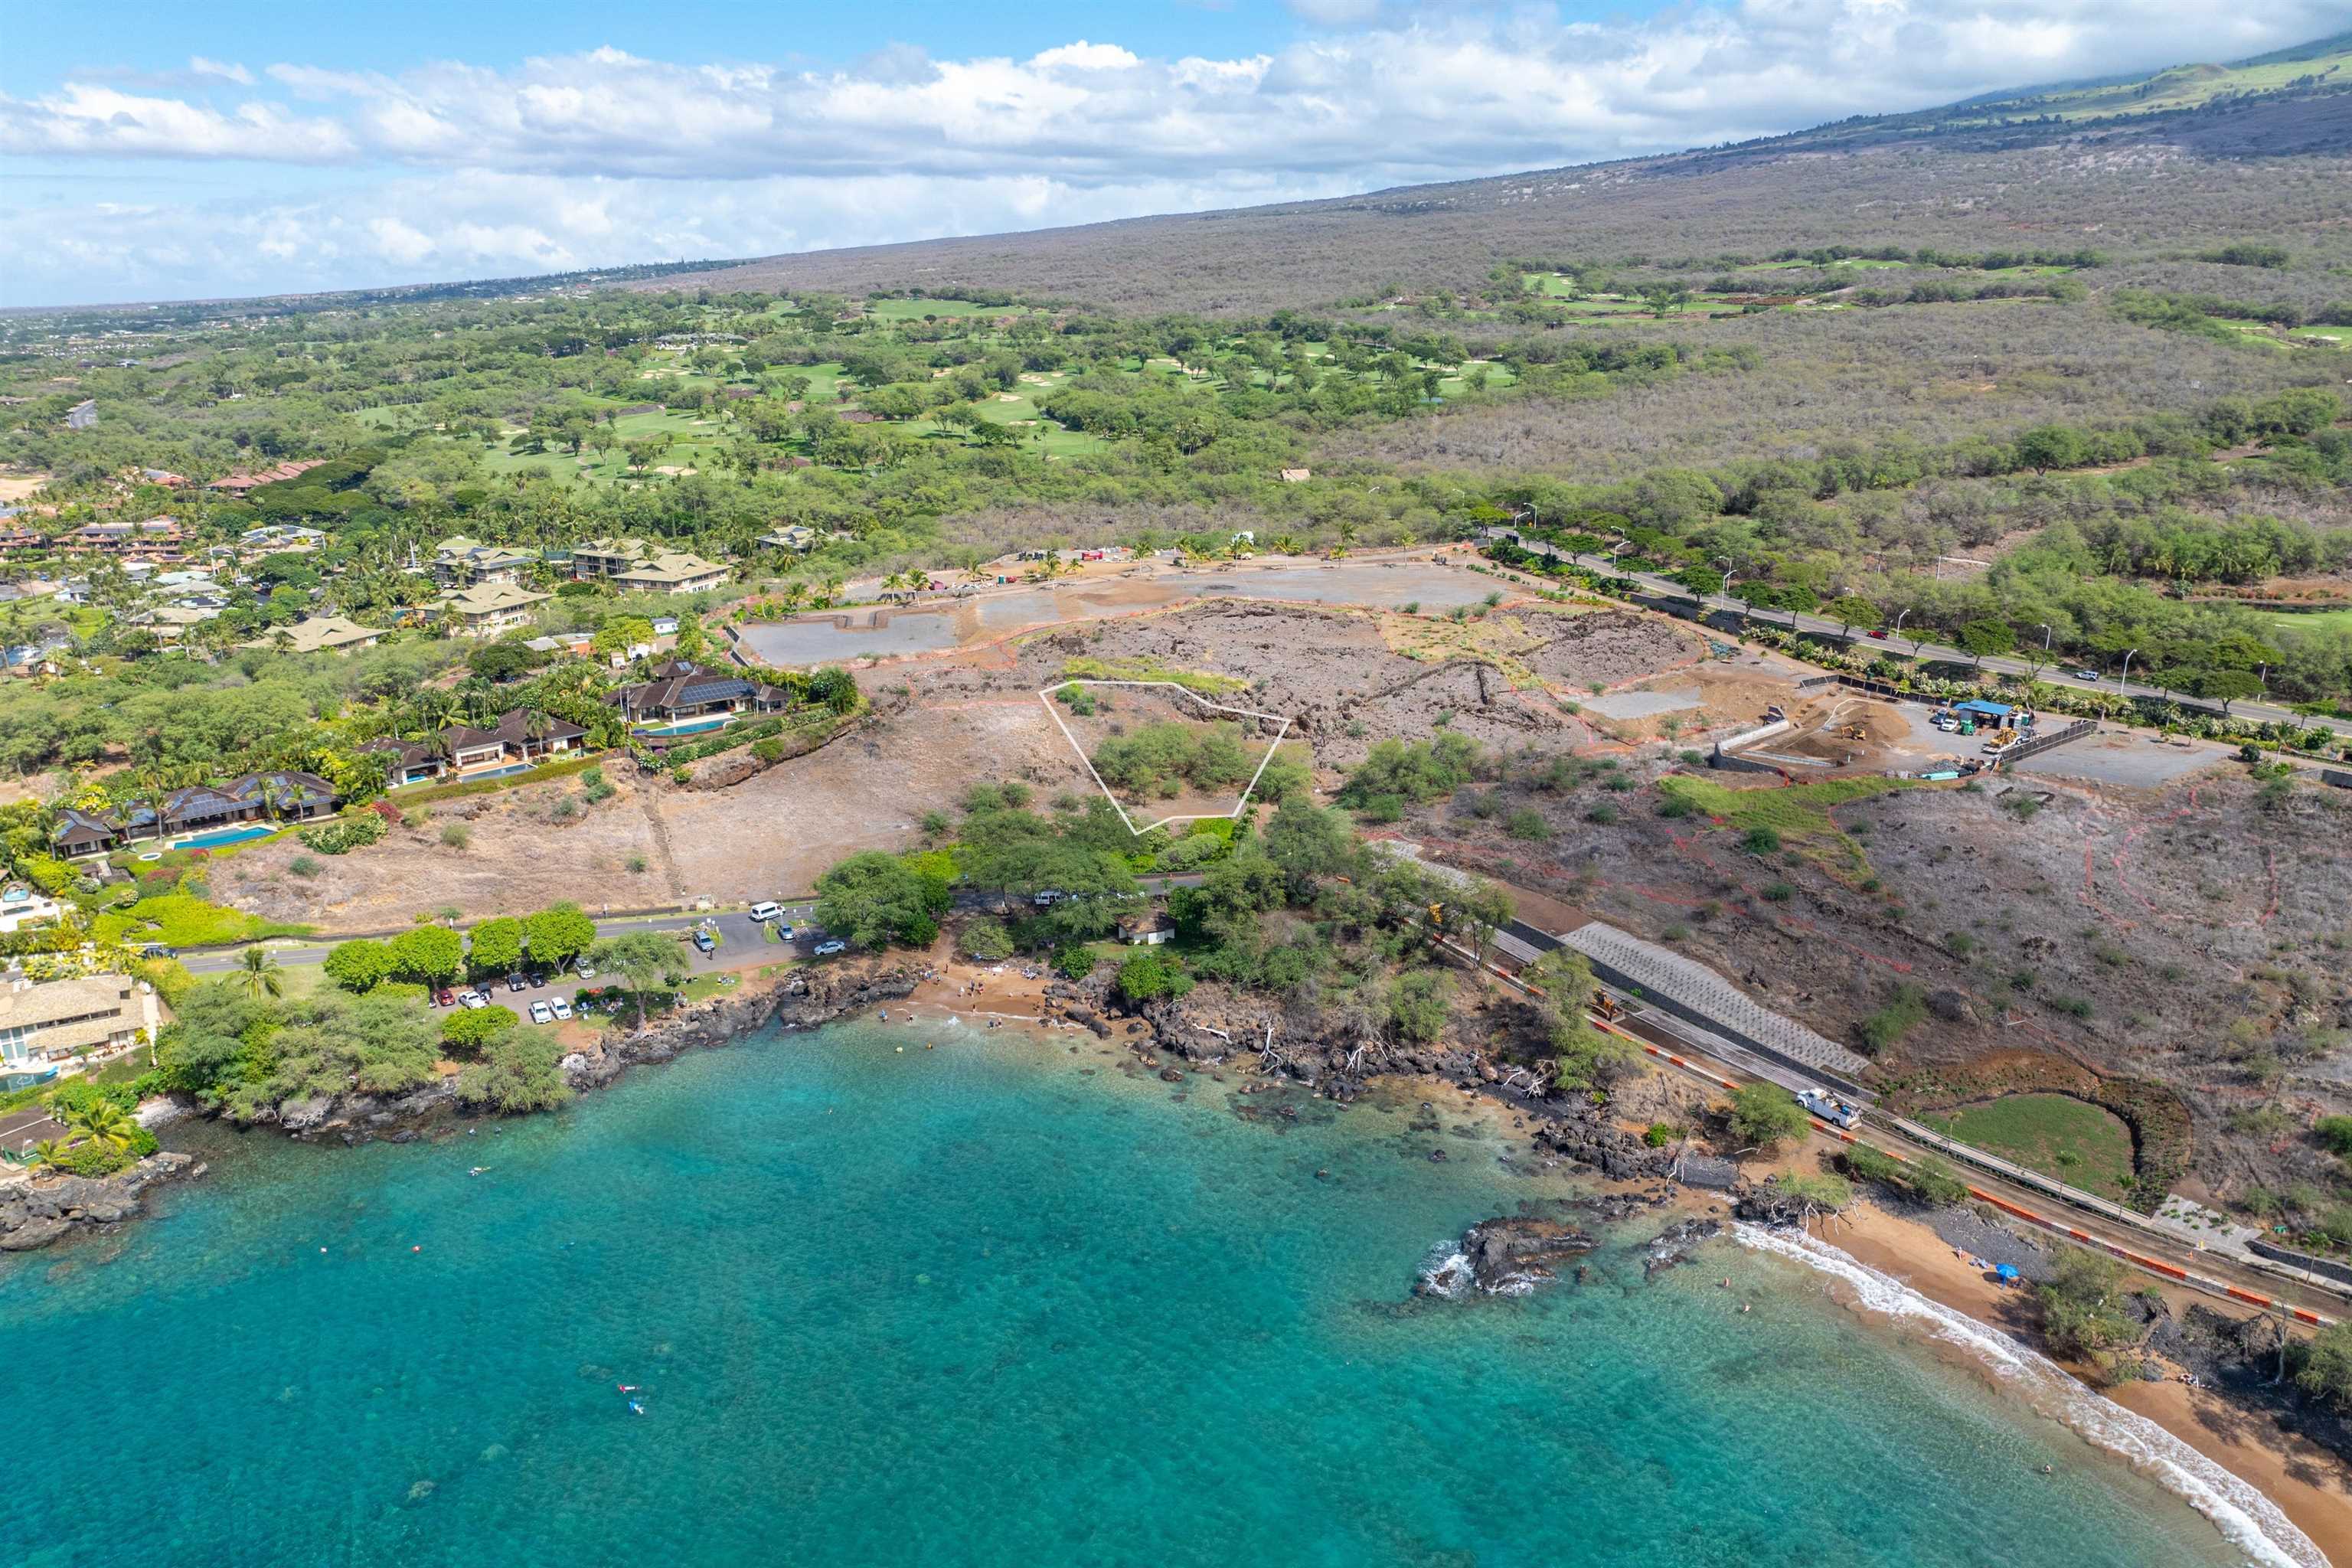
(2335,1134)
(344,833)
(1526,823)
(518,1072)
(1904,1011)
(1146,975)
(1764,1115)
(469,1029)
(305,866)
(985,939)
(457,835)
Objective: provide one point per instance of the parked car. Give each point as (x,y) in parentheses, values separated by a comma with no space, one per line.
(784,931)
(541,1013)
(157,949)
(586,972)
(766,911)
(2085,674)
(705,941)
(473,999)
(516,982)
(444,998)
(559,1007)
(827,949)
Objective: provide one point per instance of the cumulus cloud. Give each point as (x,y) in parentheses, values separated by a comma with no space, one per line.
(225,70)
(609,156)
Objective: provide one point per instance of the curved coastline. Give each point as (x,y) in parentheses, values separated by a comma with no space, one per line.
(2245,1517)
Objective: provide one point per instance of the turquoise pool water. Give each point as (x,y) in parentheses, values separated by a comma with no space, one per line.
(976,1306)
(225,836)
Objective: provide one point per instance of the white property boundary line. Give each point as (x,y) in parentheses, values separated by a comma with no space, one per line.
(1045,695)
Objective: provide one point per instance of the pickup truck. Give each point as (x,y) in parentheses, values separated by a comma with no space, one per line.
(1829,1108)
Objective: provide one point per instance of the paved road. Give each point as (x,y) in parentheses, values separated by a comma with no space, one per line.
(2052,674)
(741,942)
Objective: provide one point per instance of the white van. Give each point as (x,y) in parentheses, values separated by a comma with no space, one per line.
(766,911)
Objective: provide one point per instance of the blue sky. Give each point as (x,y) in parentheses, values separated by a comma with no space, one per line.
(152,151)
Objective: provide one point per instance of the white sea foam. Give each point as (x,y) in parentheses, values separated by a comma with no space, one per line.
(2246,1519)
(1446,1271)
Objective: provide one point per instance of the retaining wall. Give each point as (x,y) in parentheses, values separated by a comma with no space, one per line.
(1697,995)
(2293,1259)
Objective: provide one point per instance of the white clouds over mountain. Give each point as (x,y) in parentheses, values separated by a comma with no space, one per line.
(604,157)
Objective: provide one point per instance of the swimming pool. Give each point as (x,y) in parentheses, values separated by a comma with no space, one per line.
(225,836)
(697,727)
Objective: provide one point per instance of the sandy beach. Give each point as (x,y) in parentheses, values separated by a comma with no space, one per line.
(2311,1487)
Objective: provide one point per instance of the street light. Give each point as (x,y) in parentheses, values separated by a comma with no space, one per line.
(2122,681)
(2045,636)
(1725,562)
(1898,630)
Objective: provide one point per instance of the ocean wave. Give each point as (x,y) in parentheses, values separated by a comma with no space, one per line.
(2246,1519)
(1446,1272)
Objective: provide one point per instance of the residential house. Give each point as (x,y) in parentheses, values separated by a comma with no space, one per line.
(166,477)
(680,690)
(241,484)
(634,566)
(321,634)
(409,761)
(171,623)
(281,538)
(796,537)
(21,906)
(157,535)
(82,415)
(1146,929)
(44,1026)
(490,608)
(462,563)
(571,645)
(520,738)
(283,796)
(81,834)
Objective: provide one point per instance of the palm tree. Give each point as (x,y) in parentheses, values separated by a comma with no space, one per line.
(260,973)
(103,1121)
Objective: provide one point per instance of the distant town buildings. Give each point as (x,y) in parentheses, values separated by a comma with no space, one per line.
(321,634)
(637,567)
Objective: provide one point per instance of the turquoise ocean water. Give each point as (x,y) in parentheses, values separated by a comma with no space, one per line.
(977,1306)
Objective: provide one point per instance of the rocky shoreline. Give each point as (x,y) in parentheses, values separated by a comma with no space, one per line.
(37,1210)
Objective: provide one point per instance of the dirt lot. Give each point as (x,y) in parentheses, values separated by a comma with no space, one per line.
(2065,930)
(519,855)
(2061,936)
(1105,713)
(2128,757)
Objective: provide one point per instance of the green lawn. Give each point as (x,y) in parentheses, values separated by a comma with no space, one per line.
(2073,1140)
(2311,620)
(1799,814)
(182,920)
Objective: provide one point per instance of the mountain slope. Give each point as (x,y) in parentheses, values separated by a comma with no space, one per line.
(2191,154)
